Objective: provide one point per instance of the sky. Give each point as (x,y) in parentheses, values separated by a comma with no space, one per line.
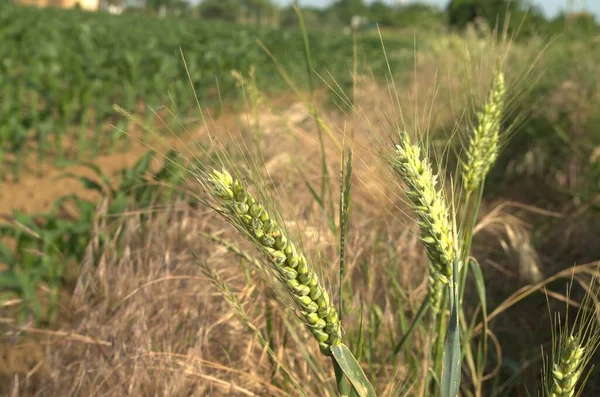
(550,7)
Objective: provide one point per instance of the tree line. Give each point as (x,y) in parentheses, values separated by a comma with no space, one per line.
(516,15)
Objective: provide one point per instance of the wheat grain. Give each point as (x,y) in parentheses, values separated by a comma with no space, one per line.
(241,209)
(484,143)
(575,345)
(567,369)
(431,210)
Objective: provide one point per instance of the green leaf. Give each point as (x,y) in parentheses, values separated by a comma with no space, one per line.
(351,368)
(7,256)
(7,230)
(118,205)
(344,387)
(416,321)
(24,219)
(135,176)
(142,165)
(91,166)
(83,206)
(166,172)
(479,283)
(361,335)
(452,358)
(9,281)
(27,283)
(87,183)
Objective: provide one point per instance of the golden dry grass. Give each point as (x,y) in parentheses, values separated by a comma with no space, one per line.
(144,320)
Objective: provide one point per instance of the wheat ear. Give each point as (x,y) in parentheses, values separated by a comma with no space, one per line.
(573,349)
(567,368)
(241,209)
(431,210)
(484,143)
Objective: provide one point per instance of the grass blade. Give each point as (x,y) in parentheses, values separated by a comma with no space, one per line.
(418,318)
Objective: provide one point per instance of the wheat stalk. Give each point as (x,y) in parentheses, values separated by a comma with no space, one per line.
(240,208)
(484,143)
(431,210)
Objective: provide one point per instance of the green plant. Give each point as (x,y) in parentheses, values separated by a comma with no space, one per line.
(432,212)
(61,72)
(240,208)
(446,242)
(573,347)
(42,246)
(485,140)
(382,335)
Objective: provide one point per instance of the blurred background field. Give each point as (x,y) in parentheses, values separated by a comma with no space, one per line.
(96,232)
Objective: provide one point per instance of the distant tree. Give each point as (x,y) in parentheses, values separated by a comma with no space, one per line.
(463,12)
(180,5)
(106,3)
(158,4)
(346,9)
(258,8)
(577,24)
(167,5)
(420,14)
(378,8)
(383,14)
(311,16)
(514,14)
(227,10)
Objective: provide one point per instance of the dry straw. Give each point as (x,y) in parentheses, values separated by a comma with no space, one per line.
(484,143)
(431,210)
(240,208)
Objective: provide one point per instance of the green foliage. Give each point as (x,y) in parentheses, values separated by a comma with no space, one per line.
(167,4)
(61,71)
(410,15)
(256,5)
(226,10)
(578,25)
(516,15)
(312,17)
(382,13)
(346,9)
(43,245)
(561,126)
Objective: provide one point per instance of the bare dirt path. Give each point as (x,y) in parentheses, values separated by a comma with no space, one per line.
(34,193)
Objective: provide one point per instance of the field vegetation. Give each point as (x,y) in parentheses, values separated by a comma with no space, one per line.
(239,201)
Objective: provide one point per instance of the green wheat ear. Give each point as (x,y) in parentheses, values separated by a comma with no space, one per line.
(568,368)
(484,143)
(241,209)
(574,347)
(433,217)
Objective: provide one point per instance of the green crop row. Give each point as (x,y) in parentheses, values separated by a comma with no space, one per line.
(39,251)
(62,70)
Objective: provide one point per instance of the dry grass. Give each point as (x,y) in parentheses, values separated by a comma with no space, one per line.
(145,320)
